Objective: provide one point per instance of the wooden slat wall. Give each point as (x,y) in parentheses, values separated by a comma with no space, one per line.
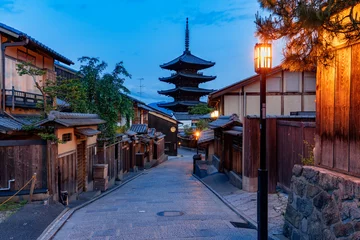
(338,106)
(342,109)
(354,134)
(67,168)
(91,161)
(291,147)
(251,147)
(327,115)
(284,145)
(20,162)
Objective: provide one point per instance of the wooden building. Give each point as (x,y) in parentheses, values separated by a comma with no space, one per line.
(19,94)
(71,162)
(162,122)
(227,155)
(286,92)
(186,79)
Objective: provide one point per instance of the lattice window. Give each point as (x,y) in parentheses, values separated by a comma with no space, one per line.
(66,137)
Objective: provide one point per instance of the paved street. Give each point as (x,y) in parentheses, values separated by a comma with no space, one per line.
(134,210)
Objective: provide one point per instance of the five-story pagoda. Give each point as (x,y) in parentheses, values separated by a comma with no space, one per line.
(186,79)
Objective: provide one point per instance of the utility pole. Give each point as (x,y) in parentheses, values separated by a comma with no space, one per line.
(141,86)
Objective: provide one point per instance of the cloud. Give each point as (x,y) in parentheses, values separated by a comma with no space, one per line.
(8,6)
(219,17)
(60,7)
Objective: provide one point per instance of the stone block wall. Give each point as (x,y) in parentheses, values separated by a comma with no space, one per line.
(322,205)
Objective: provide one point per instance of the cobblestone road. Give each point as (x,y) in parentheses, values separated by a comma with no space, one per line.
(131,212)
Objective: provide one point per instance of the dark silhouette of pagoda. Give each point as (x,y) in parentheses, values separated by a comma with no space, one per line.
(186,79)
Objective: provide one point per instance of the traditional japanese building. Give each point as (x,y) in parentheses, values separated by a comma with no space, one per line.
(186,79)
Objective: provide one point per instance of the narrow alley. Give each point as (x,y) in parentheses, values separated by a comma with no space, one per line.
(166,202)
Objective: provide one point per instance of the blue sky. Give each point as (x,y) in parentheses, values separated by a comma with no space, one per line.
(144,34)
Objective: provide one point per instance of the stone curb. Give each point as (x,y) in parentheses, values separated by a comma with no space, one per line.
(227,203)
(56,225)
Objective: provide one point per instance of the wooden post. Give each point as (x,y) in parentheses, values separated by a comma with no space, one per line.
(32,187)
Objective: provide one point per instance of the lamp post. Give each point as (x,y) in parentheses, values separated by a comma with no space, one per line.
(197,135)
(262,64)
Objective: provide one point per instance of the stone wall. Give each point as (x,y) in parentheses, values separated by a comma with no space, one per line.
(322,205)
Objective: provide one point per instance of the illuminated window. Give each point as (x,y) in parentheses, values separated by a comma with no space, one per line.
(66,137)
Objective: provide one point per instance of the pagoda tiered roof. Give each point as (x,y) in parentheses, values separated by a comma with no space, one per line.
(179,76)
(186,90)
(187,61)
(186,79)
(176,105)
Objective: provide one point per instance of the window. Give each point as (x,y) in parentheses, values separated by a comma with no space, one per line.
(66,137)
(23,56)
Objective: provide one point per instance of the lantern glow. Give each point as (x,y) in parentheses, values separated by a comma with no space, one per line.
(263,57)
(214,114)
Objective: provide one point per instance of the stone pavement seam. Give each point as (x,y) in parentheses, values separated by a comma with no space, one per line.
(254,225)
(56,225)
(227,203)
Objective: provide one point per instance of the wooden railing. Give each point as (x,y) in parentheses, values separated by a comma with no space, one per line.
(15,98)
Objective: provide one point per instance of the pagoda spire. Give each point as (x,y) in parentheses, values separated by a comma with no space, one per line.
(187,36)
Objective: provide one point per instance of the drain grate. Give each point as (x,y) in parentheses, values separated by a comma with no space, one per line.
(242,225)
(170,213)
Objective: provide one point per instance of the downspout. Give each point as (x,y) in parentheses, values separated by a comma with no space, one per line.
(9,184)
(3,48)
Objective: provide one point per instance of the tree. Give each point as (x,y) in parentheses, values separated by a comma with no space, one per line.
(202,124)
(309,27)
(69,90)
(27,68)
(105,93)
(200,108)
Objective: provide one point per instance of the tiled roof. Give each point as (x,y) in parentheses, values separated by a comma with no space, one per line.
(225,121)
(206,136)
(130,133)
(72,119)
(235,131)
(8,124)
(89,132)
(8,30)
(181,75)
(145,107)
(185,103)
(180,116)
(139,128)
(203,91)
(188,58)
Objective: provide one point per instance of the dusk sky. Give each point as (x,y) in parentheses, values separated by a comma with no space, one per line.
(144,34)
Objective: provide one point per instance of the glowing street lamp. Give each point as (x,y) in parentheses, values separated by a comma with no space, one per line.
(262,65)
(214,114)
(197,135)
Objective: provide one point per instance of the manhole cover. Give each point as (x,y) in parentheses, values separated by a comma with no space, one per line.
(170,213)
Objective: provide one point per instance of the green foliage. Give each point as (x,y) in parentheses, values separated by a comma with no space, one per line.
(200,109)
(70,91)
(50,137)
(27,68)
(92,92)
(202,124)
(105,93)
(309,27)
(12,206)
(188,130)
(310,160)
(122,129)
